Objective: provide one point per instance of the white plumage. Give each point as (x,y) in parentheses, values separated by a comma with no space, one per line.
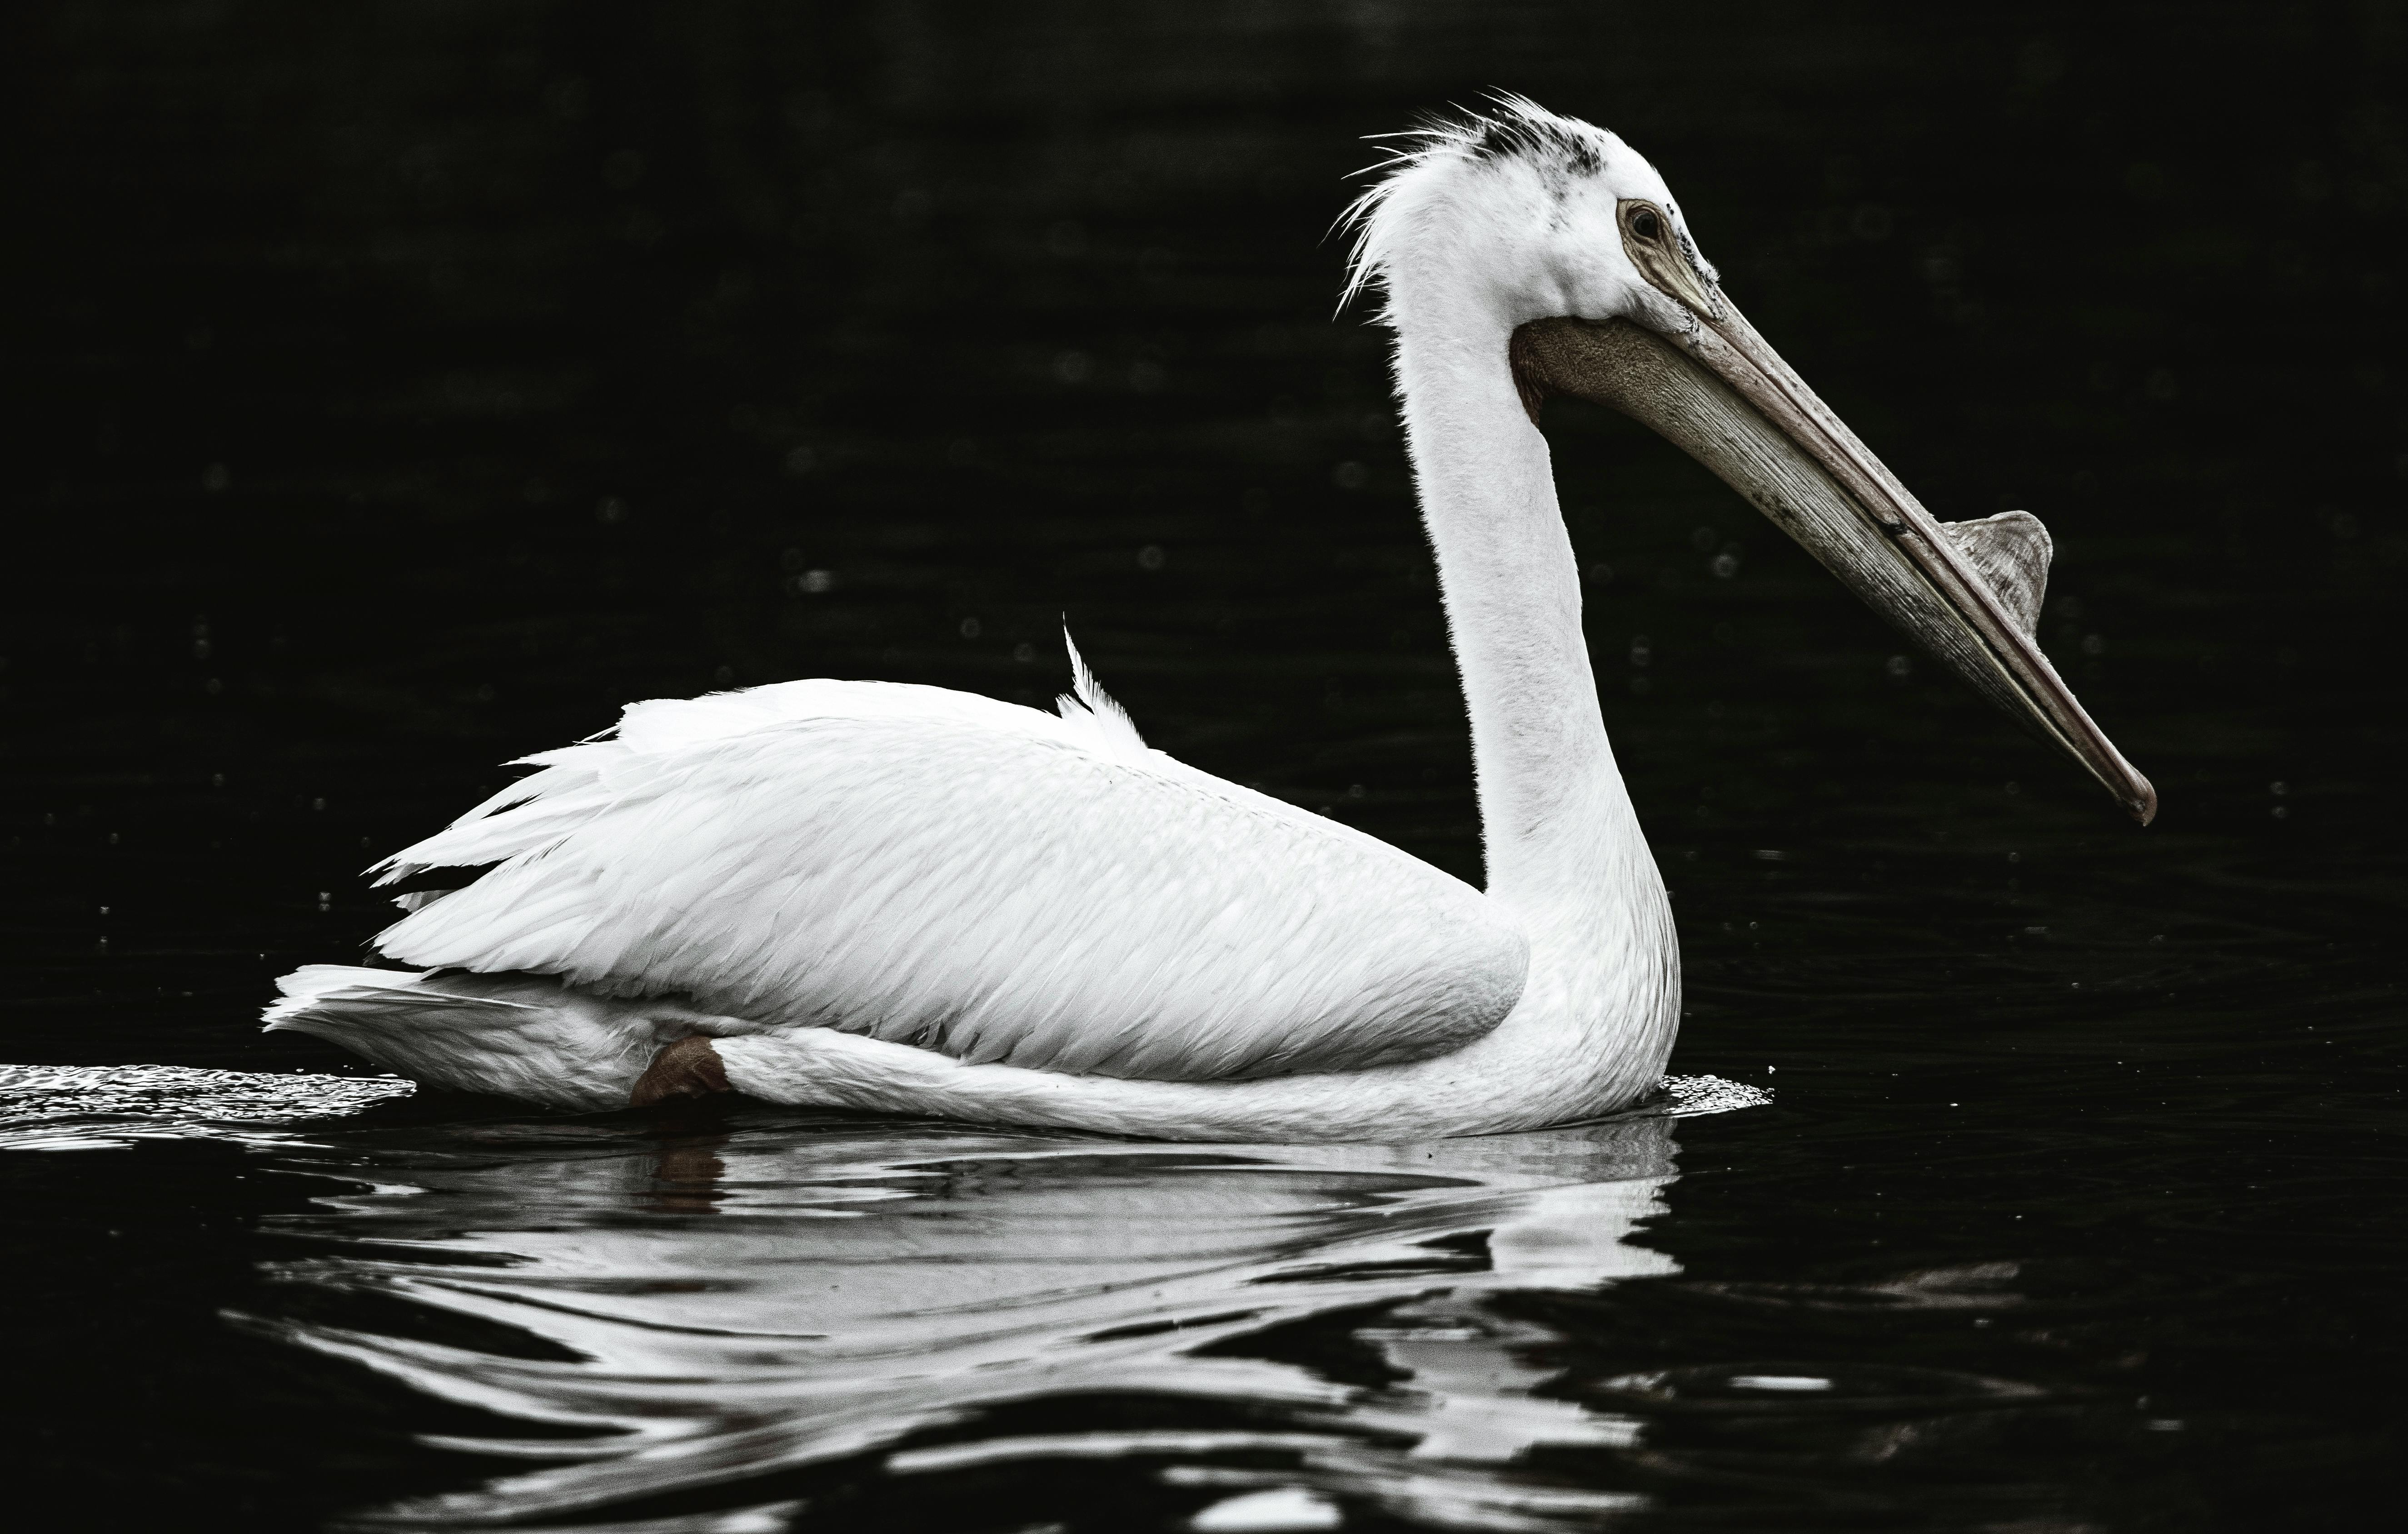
(773,854)
(904,900)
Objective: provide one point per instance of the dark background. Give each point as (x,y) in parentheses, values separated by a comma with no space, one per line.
(394,389)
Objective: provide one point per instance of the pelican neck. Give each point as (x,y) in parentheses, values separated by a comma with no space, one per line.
(1552,800)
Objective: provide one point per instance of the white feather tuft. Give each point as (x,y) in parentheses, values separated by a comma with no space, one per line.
(1514,126)
(1093,713)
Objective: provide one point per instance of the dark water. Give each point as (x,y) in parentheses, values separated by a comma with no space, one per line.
(396,390)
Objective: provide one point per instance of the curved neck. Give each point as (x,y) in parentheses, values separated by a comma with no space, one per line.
(1554,813)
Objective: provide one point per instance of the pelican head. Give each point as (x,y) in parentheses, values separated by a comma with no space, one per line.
(1557,239)
(1529,216)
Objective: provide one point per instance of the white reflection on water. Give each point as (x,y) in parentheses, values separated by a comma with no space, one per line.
(796,1291)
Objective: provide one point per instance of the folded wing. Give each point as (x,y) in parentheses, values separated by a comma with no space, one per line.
(968,876)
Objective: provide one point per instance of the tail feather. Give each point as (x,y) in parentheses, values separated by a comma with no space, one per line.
(337,986)
(517,1036)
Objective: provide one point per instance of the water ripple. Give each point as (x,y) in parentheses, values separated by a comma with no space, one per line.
(724,1309)
(651,1308)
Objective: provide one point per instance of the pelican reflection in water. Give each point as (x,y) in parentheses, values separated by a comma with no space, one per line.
(904,900)
(728,1306)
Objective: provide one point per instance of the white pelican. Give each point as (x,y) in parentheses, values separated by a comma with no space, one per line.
(909,900)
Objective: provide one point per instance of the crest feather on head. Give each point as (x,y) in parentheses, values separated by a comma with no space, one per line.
(1514,128)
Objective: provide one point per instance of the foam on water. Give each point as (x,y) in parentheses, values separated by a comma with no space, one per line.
(89,1108)
(1689,1097)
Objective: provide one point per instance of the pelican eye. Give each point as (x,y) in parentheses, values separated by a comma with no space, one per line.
(1664,259)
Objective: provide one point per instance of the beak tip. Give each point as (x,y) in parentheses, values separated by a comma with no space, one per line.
(2143,804)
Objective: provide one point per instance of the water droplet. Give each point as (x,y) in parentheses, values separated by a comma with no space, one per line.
(969,628)
(815,581)
(1150,557)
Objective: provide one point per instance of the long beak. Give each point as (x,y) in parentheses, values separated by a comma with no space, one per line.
(1726,398)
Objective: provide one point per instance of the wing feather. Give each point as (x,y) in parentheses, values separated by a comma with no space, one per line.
(969,876)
